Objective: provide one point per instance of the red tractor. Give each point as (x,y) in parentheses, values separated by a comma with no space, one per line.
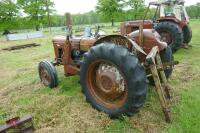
(114,70)
(170,21)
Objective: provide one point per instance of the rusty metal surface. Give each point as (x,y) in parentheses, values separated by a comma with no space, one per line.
(130,26)
(71,70)
(107,84)
(150,40)
(126,42)
(115,39)
(141,34)
(18,125)
(69,25)
(87,43)
(77,42)
(45,77)
(63,57)
(137,47)
(152,54)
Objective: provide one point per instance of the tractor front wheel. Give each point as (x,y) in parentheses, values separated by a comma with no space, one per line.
(48,74)
(113,80)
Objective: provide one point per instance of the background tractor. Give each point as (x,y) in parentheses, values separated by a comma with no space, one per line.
(114,69)
(170,20)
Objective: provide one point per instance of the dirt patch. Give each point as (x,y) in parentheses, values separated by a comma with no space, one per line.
(17,47)
(144,122)
(183,72)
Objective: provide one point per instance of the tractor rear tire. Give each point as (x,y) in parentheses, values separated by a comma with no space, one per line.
(171,33)
(48,74)
(166,56)
(187,34)
(118,102)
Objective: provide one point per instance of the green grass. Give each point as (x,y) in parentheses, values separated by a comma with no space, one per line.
(64,109)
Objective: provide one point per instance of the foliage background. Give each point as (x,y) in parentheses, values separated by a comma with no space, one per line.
(31,13)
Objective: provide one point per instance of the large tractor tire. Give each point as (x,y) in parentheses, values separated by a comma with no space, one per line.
(171,33)
(166,57)
(48,74)
(113,80)
(187,34)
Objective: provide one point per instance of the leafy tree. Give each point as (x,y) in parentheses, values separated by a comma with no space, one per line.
(36,9)
(8,10)
(109,9)
(136,7)
(198,10)
(194,11)
(86,18)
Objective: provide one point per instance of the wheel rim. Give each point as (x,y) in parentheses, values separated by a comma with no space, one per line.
(45,77)
(166,37)
(107,84)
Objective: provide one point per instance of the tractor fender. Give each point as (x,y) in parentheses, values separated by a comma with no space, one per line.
(171,19)
(120,40)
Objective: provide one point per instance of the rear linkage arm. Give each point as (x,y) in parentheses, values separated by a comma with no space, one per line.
(153,61)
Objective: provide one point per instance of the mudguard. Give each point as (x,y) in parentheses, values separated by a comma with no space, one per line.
(121,40)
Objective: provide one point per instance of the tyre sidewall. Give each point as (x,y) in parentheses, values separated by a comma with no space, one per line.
(167,56)
(121,65)
(174,30)
(187,32)
(51,71)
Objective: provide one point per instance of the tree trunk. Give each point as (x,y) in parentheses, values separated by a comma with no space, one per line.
(48,14)
(113,22)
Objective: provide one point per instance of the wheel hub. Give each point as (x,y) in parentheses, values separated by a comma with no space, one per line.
(110,81)
(106,82)
(165,36)
(45,77)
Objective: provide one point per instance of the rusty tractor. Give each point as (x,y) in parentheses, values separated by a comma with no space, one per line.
(170,20)
(114,69)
